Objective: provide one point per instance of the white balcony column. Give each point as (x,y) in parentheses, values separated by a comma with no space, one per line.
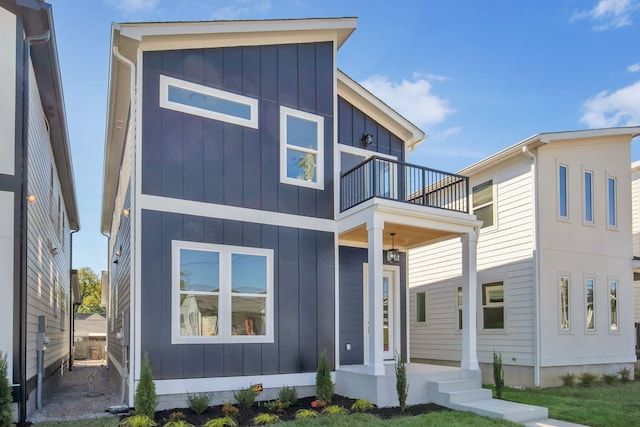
(469,296)
(375,363)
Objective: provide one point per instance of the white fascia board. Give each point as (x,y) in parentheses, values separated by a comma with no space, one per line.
(590,133)
(368,103)
(500,156)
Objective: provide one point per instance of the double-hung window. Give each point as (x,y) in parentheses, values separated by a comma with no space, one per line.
(483,203)
(493,305)
(613,306)
(590,320)
(588,197)
(563,191)
(612,220)
(221,294)
(565,324)
(301,148)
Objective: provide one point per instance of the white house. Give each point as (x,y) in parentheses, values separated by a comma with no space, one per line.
(555,282)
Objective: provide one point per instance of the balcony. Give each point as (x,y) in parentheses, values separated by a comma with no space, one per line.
(403,182)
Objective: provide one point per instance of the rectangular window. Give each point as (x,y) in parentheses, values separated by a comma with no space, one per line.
(590,305)
(613,305)
(222,294)
(51,210)
(205,101)
(588,196)
(460,308)
(421,307)
(301,148)
(483,203)
(493,305)
(563,202)
(612,220)
(564,304)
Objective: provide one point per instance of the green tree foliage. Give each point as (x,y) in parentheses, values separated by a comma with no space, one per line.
(145,400)
(402,385)
(498,374)
(6,418)
(90,291)
(324,386)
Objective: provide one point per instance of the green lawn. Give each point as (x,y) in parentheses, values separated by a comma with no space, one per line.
(95,422)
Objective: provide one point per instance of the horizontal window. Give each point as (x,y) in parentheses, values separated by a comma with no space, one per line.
(222,293)
(205,101)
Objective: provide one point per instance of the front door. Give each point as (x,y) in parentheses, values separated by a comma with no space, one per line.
(388,315)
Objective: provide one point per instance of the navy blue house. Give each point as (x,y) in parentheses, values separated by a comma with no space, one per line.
(259,207)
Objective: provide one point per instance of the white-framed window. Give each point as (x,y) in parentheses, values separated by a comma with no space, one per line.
(483,203)
(612,202)
(565,319)
(589,295)
(421,307)
(613,306)
(459,305)
(204,101)
(493,305)
(221,294)
(563,191)
(301,148)
(588,197)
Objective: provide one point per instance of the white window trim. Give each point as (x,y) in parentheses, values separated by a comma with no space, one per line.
(494,194)
(615,203)
(252,103)
(562,275)
(319,120)
(480,313)
(609,280)
(567,192)
(363,153)
(595,316)
(224,295)
(585,221)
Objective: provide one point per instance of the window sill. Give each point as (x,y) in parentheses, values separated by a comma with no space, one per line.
(218,340)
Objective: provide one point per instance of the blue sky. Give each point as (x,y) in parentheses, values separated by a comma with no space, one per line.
(476,76)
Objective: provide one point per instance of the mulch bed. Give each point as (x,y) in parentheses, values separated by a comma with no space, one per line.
(244,417)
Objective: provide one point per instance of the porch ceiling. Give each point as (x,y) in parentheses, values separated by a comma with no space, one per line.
(406,236)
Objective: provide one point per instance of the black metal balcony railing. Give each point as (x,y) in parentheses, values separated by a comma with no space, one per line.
(403,182)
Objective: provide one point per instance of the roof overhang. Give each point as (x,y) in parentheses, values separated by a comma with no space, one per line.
(386,116)
(38,19)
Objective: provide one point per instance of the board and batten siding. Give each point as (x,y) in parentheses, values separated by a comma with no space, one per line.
(195,158)
(505,253)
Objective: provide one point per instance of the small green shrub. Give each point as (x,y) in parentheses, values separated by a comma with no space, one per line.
(6,415)
(636,374)
(303,414)
(402,386)
(245,397)
(334,410)
(221,422)
(277,406)
(228,410)
(324,385)
(199,402)
(288,395)
(625,375)
(138,420)
(176,419)
(587,379)
(568,380)
(609,379)
(498,374)
(145,400)
(265,418)
(362,405)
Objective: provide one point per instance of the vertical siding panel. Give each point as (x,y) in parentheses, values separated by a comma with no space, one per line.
(213,162)
(308,314)
(345,123)
(251,71)
(233,69)
(151,133)
(194,365)
(252,172)
(326,294)
(233,353)
(270,352)
(269,72)
(307,77)
(151,274)
(287,96)
(351,304)
(172,154)
(324,78)
(213,73)
(288,340)
(213,354)
(193,158)
(233,170)
(358,120)
(269,161)
(325,198)
(383,140)
(193,67)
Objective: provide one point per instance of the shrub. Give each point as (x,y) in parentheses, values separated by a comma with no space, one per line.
(277,406)
(568,380)
(145,400)
(221,422)
(625,375)
(334,410)
(636,374)
(288,395)
(138,420)
(609,379)
(324,386)
(199,402)
(245,397)
(6,400)
(265,418)
(587,379)
(402,386)
(178,423)
(228,410)
(498,374)
(303,414)
(318,403)
(362,405)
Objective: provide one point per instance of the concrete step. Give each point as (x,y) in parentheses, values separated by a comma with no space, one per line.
(476,394)
(459,385)
(502,409)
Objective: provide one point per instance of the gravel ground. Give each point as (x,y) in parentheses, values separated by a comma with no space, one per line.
(73,399)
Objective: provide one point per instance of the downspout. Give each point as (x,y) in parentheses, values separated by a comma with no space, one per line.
(72,309)
(24,188)
(132,125)
(536,261)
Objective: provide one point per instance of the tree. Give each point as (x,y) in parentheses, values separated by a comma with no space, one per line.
(6,416)
(145,399)
(90,291)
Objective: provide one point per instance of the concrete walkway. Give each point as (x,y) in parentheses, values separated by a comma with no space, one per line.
(550,422)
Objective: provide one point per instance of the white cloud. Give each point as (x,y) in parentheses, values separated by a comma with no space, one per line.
(456,130)
(133,5)
(413,99)
(619,108)
(241,9)
(608,14)
(634,68)
(431,77)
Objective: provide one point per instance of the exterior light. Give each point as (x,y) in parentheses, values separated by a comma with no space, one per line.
(367,138)
(31,198)
(126,212)
(393,254)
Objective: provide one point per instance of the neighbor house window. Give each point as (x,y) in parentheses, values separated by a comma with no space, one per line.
(221,293)
(205,101)
(613,305)
(459,307)
(612,220)
(421,307)
(301,148)
(51,210)
(483,203)
(589,305)
(563,202)
(493,305)
(588,196)
(564,304)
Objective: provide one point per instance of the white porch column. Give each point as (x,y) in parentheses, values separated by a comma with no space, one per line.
(469,296)
(375,364)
